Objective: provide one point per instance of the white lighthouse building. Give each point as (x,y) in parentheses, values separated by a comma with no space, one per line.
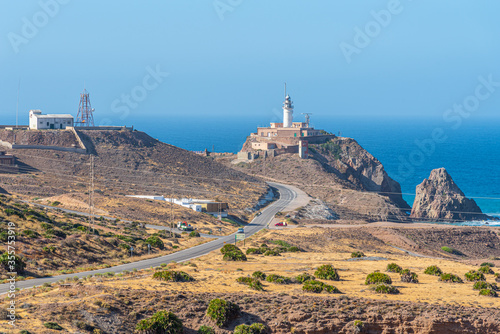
(287,112)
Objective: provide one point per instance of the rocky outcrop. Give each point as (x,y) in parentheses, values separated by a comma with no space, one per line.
(351,162)
(439,198)
(316,209)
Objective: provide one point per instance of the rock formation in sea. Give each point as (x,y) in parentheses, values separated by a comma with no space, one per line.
(439,198)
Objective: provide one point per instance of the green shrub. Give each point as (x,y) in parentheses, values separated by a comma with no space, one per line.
(488,293)
(480,285)
(327,272)
(451,250)
(259,275)
(278,279)
(376,278)
(394,268)
(49,249)
(162,322)
(486,270)
(255,328)
(155,241)
(10,212)
(18,265)
(408,277)
(302,278)
(24,331)
(487,264)
(272,252)
(53,325)
(433,270)
(281,243)
(332,148)
(473,276)
(31,234)
(384,288)
(232,253)
(222,311)
(252,282)
(253,251)
(450,278)
(293,249)
(229,248)
(318,287)
(46,226)
(206,330)
(357,254)
(173,276)
(358,324)
(234,256)
(194,234)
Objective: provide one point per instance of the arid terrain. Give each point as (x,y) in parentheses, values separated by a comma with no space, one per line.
(341,173)
(126,163)
(51,242)
(343,225)
(114,304)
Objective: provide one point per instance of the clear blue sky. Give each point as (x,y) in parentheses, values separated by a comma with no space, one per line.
(424,60)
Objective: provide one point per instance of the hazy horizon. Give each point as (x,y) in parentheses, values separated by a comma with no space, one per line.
(227,59)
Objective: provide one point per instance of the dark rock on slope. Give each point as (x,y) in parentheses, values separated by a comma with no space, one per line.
(341,173)
(439,198)
(353,163)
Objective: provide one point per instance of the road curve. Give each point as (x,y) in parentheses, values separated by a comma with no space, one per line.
(287,196)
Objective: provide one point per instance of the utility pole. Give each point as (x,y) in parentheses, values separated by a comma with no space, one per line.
(172,216)
(17,105)
(91,193)
(17,109)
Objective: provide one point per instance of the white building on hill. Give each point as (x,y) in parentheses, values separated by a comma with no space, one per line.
(50,121)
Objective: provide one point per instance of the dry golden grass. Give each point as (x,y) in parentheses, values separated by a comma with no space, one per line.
(214,275)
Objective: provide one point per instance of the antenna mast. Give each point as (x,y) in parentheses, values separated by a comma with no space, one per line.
(85,115)
(308,117)
(285,90)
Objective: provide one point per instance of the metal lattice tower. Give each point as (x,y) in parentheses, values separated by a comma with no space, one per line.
(85,115)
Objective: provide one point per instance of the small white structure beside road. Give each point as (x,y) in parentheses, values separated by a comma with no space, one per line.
(217,209)
(185,202)
(50,121)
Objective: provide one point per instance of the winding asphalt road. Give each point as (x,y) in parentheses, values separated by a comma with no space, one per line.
(287,196)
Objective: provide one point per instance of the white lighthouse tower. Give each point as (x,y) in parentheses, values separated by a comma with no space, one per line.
(287,111)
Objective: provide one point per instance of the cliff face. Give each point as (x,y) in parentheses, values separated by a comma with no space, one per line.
(352,163)
(439,198)
(351,181)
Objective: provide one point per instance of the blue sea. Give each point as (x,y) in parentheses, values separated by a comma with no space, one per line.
(408,148)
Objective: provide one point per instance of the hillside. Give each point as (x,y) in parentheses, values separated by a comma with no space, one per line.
(117,303)
(340,172)
(54,242)
(126,163)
